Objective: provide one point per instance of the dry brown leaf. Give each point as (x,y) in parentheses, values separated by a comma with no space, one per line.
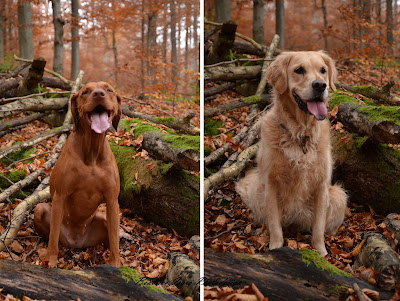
(16,247)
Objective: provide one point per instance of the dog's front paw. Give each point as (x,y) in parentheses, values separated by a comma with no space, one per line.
(321,250)
(53,261)
(275,244)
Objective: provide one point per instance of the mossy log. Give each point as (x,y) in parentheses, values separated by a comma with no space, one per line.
(378,122)
(282,274)
(223,43)
(33,104)
(377,253)
(231,73)
(173,148)
(369,171)
(101,283)
(184,273)
(158,192)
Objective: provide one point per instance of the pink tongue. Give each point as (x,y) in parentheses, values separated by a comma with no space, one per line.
(100,123)
(318,109)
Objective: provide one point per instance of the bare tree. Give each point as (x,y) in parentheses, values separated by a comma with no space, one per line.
(2,29)
(58,61)
(75,39)
(223,10)
(258,21)
(389,24)
(174,53)
(280,21)
(25,37)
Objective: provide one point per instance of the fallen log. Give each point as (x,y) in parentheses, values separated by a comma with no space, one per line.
(264,99)
(231,73)
(53,82)
(21,121)
(223,43)
(173,148)
(247,48)
(101,283)
(174,123)
(219,89)
(32,104)
(377,253)
(184,274)
(381,95)
(29,84)
(9,84)
(282,274)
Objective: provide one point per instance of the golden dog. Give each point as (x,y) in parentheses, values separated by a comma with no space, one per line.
(292,182)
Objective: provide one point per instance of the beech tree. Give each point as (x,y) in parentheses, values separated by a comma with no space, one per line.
(280,21)
(75,39)
(223,10)
(258,21)
(58,62)
(25,36)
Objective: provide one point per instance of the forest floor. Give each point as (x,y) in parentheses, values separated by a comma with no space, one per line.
(228,223)
(143,246)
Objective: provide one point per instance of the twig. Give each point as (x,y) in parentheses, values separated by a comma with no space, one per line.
(358,291)
(352,72)
(224,232)
(31,251)
(11,99)
(146,104)
(235,61)
(66,81)
(35,156)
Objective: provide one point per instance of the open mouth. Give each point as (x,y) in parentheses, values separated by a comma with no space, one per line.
(99,119)
(314,106)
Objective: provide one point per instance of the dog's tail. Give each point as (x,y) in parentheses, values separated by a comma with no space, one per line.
(247,186)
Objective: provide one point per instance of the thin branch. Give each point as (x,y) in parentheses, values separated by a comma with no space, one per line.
(32,157)
(31,251)
(11,99)
(352,72)
(224,232)
(237,60)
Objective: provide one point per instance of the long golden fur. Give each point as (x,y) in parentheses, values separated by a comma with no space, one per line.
(292,182)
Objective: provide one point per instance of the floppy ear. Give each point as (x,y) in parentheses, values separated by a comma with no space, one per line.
(277,73)
(74,110)
(332,71)
(117,116)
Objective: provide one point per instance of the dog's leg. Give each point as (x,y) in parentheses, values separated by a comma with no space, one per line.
(274,217)
(57,215)
(336,209)
(113,229)
(319,219)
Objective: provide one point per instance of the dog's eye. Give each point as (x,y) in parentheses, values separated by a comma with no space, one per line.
(85,92)
(109,90)
(300,70)
(323,70)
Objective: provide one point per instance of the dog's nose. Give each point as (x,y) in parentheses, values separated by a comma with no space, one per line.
(319,85)
(99,93)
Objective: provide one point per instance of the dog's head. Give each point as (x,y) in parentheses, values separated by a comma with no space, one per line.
(96,106)
(306,76)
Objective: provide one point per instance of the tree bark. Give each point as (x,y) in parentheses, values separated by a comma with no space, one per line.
(378,254)
(231,73)
(25,37)
(174,53)
(103,283)
(32,104)
(389,24)
(280,21)
(58,21)
(75,58)
(114,48)
(258,21)
(2,29)
(282,274)
(223,10)
(30,82)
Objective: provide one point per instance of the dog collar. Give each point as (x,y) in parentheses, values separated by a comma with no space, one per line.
(303,139)
(302,105)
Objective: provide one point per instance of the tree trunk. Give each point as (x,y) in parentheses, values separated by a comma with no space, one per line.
(223,44)
(114,48)
(165,38)
(58,61)
(174,53)
(258,21)
(389,24)
(2,29)
(280,21)
(282,274)
(223,10)
(25,37)
(142,61)
(101,283)
(75,39)
(324,14)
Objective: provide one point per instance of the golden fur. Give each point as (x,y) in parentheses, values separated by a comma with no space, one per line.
(292,183)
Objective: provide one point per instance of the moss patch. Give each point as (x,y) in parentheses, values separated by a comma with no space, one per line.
(336,99)
(184,142)
(14,176)
(382,113)
(21,154)
(164,167)
(309,256)
(364,89)
(141,127)
(211,127)
(252,99)
(129,274)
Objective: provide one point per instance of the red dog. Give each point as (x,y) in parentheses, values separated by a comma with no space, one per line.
(85,176)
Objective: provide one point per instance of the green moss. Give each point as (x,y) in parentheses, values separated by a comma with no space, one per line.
(252,99)
(309,256)
(14,176)
(21,154)
(166,120)
(336,99)
(129,274)
(211,127)
(337,289)
(207,150)
(184,142)
(364,89)
(165,167)
(141,127)
(382,113)
(360,141)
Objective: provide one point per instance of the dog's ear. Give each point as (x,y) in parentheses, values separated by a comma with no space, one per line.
(74,110)
(277,74)
(117,116)
(332,71)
